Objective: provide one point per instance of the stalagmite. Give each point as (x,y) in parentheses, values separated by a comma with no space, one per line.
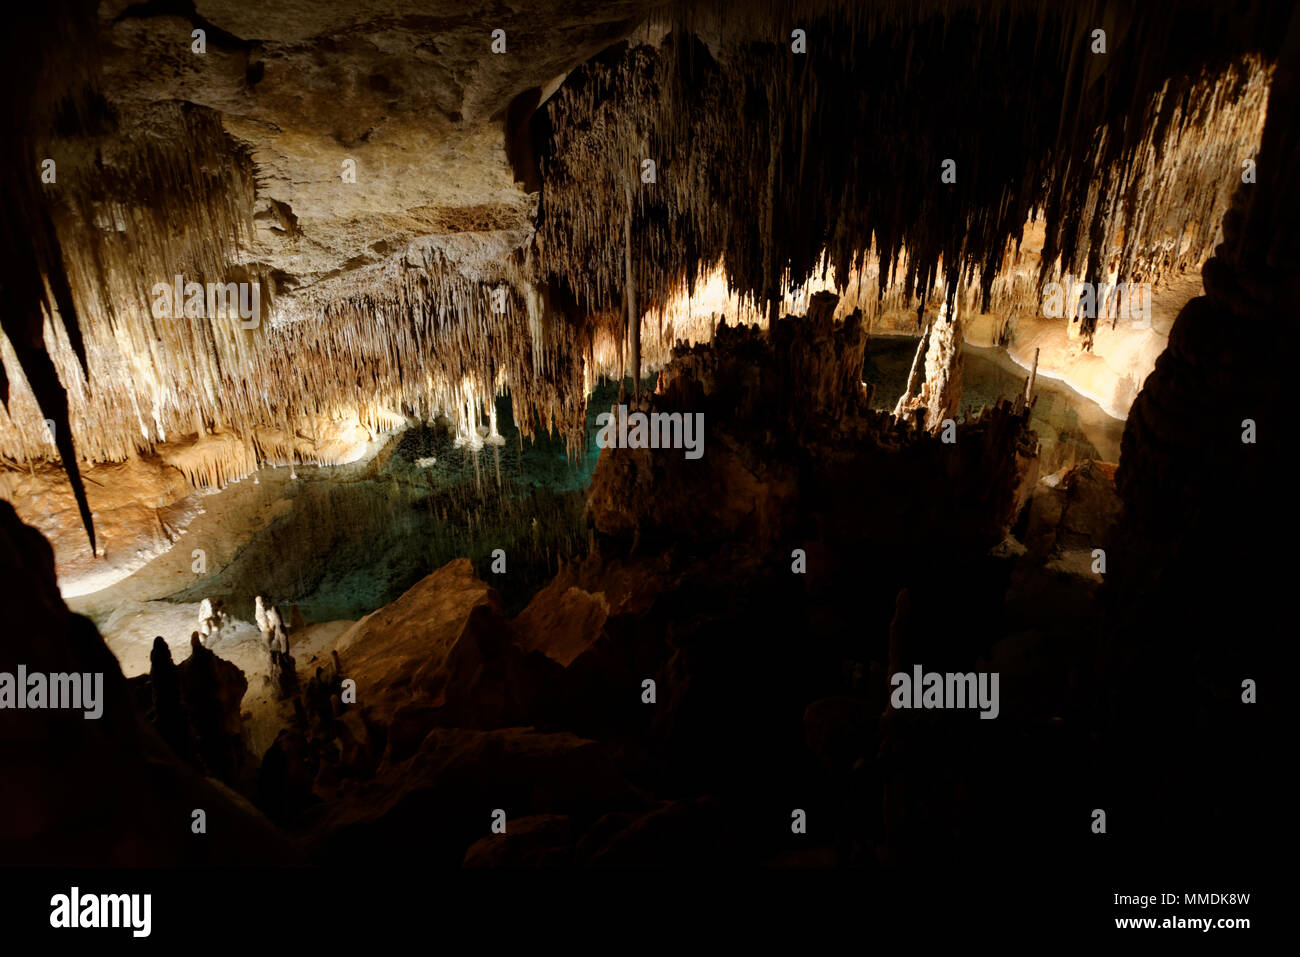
(263,622)
(269,623)
(211,619)
(901,407)
(271,626)
(940,394)
(279,640)
(1033,374)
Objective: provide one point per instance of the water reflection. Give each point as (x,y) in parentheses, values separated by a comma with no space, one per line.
(1070,427)
(351,539)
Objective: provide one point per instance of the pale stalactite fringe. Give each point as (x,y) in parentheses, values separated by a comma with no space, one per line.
(766,166)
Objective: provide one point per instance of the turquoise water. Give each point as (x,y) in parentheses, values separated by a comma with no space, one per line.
(356,537)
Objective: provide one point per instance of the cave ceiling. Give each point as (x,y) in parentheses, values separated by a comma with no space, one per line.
(431,222)
(410,92)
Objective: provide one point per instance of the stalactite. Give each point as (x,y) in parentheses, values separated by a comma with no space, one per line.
(33,273)
(776,168)
(117,222)
(769,168)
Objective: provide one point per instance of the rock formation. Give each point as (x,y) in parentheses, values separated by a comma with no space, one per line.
(939,396)
(339,222)
(143,791)
(385,293)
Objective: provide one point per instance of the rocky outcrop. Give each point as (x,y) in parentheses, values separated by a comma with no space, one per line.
(397,654)
(196,708)
(792,453)
(104,792)
(1071,514)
